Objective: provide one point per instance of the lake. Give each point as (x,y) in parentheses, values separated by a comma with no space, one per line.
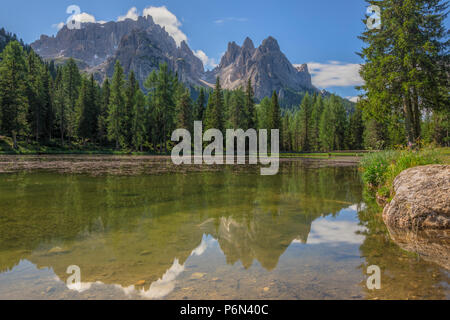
(306,233)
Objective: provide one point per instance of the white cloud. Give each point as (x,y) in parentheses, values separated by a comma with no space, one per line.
(58,26)
(353,99)
(207,62)
(84,18)
(335,74)
(132,14)
(230,19)
(168,20)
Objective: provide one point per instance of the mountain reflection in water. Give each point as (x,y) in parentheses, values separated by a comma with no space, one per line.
(198,235)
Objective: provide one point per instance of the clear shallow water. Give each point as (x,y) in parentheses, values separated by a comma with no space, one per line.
(303,234)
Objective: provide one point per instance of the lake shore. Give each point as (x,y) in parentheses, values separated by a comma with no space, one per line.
(132,165)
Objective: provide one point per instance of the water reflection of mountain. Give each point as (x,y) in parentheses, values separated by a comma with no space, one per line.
(122,230)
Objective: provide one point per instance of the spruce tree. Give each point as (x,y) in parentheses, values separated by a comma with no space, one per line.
(116,109)
(406,62)
(138,121)
(13,100)
(71,82)
(215,110)
(250,112)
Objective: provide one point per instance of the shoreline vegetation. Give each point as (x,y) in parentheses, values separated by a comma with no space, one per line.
(379,169)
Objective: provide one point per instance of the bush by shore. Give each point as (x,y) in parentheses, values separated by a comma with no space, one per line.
(379,169)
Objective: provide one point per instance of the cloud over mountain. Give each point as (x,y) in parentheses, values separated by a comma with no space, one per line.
(335,74)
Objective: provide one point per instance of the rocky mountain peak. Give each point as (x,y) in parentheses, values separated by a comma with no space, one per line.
(270,44)
(267,67)
(248,44)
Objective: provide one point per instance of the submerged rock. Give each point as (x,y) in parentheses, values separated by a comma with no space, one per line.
(422,199)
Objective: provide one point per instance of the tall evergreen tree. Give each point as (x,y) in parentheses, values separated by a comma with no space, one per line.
(13,100)
(305,123)
(162,86)
(406,62)
(71,82)
(88,110)
(200,106)
(184,112)
(102,125)
(238,116)
(138,121)
(215,110)
(116,110)
(250,112)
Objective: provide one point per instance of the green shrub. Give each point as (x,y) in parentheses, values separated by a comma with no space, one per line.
(381,168)
(375,165)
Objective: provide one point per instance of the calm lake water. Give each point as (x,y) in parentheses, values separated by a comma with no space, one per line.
(303,234)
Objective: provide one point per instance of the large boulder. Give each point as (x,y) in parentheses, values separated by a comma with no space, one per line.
(422,199)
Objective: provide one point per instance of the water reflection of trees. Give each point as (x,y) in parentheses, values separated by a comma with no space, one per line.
(125,229)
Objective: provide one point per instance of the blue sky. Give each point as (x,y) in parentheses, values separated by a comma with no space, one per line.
(320,32)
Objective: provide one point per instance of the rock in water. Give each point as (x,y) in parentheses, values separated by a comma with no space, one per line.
(422,199)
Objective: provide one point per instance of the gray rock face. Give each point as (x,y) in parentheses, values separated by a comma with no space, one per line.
(142,51)
(422,199)
(266,66)
(93,43)
(142,45)
(139,45)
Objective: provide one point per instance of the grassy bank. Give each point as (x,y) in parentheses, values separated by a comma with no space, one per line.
(379,169)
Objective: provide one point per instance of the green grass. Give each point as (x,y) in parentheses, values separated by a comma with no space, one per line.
(379,169)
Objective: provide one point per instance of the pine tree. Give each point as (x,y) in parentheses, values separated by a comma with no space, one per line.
(316,114)
(237,112)
(138,121)
(327,128)
(48,114)
(250,112)
(34,93)
(102,126)
(162,86)
(71,82)
(132,88)
(286,130)
(199,110)
(305,123)
(116,109)
(275,112)
(88,110)
(184,112)
(13,101)
(215,111)
(405,68)
(355,131)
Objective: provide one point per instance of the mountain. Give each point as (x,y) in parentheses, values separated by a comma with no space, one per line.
(139,45)
(266,66)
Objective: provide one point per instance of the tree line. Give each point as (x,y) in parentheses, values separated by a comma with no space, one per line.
(405,100)
(44,104)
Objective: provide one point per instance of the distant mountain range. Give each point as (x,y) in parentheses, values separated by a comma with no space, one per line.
(142,45)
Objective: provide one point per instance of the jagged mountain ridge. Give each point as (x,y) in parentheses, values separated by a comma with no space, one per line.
(141,45)
(267,67)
